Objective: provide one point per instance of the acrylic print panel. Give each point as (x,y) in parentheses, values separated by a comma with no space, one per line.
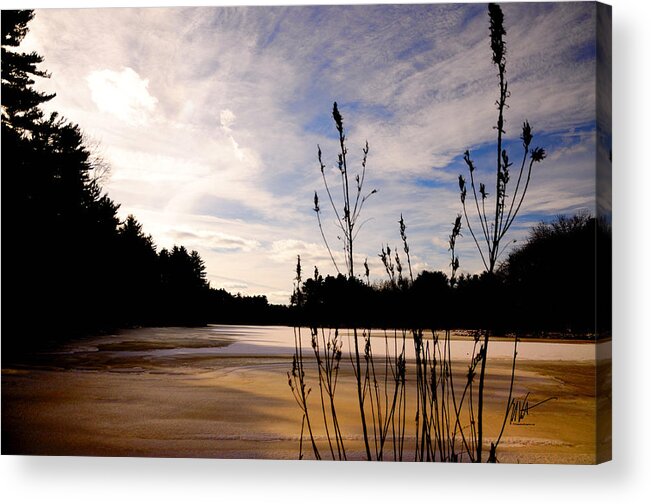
(322,232)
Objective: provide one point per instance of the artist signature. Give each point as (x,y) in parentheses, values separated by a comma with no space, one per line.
(520,408)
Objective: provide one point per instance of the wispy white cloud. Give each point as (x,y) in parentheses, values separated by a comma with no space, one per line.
(226,118)
(123,94)
(235,286)
(217,241)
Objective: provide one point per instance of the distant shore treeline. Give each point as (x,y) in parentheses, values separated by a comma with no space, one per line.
(549,283)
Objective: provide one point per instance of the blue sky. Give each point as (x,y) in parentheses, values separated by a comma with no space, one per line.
(209,119)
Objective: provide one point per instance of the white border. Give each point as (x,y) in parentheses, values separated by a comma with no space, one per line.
(626,479)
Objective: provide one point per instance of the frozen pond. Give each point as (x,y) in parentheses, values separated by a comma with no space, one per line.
(222,391)
(261,341)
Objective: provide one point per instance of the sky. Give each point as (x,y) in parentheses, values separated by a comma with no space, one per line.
(209,119)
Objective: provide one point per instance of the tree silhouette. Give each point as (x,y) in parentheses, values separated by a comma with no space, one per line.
(56,211)
(551,279)
(20,100)
(184,287)
(75,267)
(138,273)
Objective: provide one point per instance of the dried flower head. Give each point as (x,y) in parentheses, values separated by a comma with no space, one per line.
(320,160)
(526,136)
(497,33)
(339,120)
(482,190)
(462,188)
(457,226)
(298,268)
(403,234)
(505,159)
(538,154)
(469,162)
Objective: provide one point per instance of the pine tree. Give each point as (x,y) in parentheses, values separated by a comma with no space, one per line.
(20,101)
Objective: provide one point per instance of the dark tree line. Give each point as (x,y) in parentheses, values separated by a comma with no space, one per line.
(59,229)
(550,283)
